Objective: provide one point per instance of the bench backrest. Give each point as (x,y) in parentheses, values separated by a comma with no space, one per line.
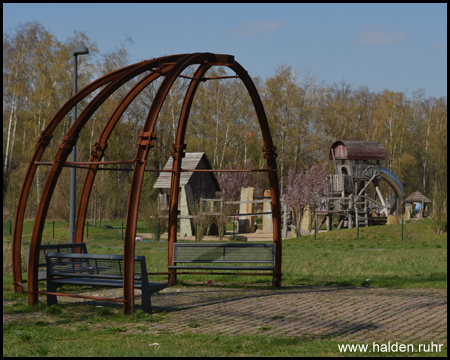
(92,266)
(223,253)
(78,248)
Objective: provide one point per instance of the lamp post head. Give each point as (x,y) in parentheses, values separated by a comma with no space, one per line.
(81,50)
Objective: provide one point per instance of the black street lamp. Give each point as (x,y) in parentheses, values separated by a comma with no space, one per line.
(79,50)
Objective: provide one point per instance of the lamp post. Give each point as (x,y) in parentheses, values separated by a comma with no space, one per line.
(79,50)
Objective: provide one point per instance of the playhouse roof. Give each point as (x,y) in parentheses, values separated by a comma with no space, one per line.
(357,150)
(194,160)
(416,197)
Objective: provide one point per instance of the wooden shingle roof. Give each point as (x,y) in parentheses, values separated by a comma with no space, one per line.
(194,160)
(357,150)
(416,197)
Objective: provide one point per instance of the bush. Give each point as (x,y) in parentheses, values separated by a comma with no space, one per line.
(202,220)
(155,219)
(439,217)
(221,219)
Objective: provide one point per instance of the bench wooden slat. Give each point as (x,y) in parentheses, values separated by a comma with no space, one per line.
(223,267)
(224,253)
(85,274)
(60,248)
(154,287)
(224,261)
(96,270)
(220,253)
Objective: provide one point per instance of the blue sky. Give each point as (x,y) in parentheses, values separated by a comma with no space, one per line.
(400,47)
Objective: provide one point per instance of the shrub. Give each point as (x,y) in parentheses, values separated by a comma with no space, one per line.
(440,213)
(202,220)
(155,219)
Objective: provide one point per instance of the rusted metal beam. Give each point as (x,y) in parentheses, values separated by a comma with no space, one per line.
(96,163)
(176,166)
(75,164)
(101,145)
(270,156)
(228,170)
(42,143)
(39,149)
(221,77)
(170,68)
(138,173)
(61,156)
(65,165)
(81,296)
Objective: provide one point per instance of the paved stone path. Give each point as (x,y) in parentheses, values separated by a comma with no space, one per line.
(355,314)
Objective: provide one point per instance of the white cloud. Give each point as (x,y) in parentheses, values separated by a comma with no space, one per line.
(378,35)
(440,47)
(257,27)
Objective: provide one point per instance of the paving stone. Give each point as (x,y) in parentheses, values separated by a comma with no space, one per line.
(343,313)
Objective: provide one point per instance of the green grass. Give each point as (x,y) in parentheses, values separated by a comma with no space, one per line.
(58,230)
(335,258)
(40,340)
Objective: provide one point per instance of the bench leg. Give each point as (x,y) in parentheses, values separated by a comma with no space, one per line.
(51,299)
(172,278)
(275,283)
(146,302)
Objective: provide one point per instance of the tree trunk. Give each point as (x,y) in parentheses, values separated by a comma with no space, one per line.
(13,138)
(224,147)
(424,177)
(8,137)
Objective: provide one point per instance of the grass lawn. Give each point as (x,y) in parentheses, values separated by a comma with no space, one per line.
(36,340)
(419,261)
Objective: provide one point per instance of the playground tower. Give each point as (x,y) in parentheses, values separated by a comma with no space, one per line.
(361,192)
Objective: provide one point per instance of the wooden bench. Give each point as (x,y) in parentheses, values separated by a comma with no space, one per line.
(96,270)
(206,256)
(79,248)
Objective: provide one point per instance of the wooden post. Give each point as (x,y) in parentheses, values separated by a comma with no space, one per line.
(329,222)
(402,228)
(350,209)
(357,226)
(365,211)
(284,219)
(315,227)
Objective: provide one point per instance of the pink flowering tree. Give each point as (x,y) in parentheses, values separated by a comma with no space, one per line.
(232,182)
(305,188)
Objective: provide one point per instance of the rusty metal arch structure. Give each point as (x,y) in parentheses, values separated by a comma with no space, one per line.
(169,67)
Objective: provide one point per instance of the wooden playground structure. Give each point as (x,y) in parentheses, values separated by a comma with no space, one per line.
(361,192)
